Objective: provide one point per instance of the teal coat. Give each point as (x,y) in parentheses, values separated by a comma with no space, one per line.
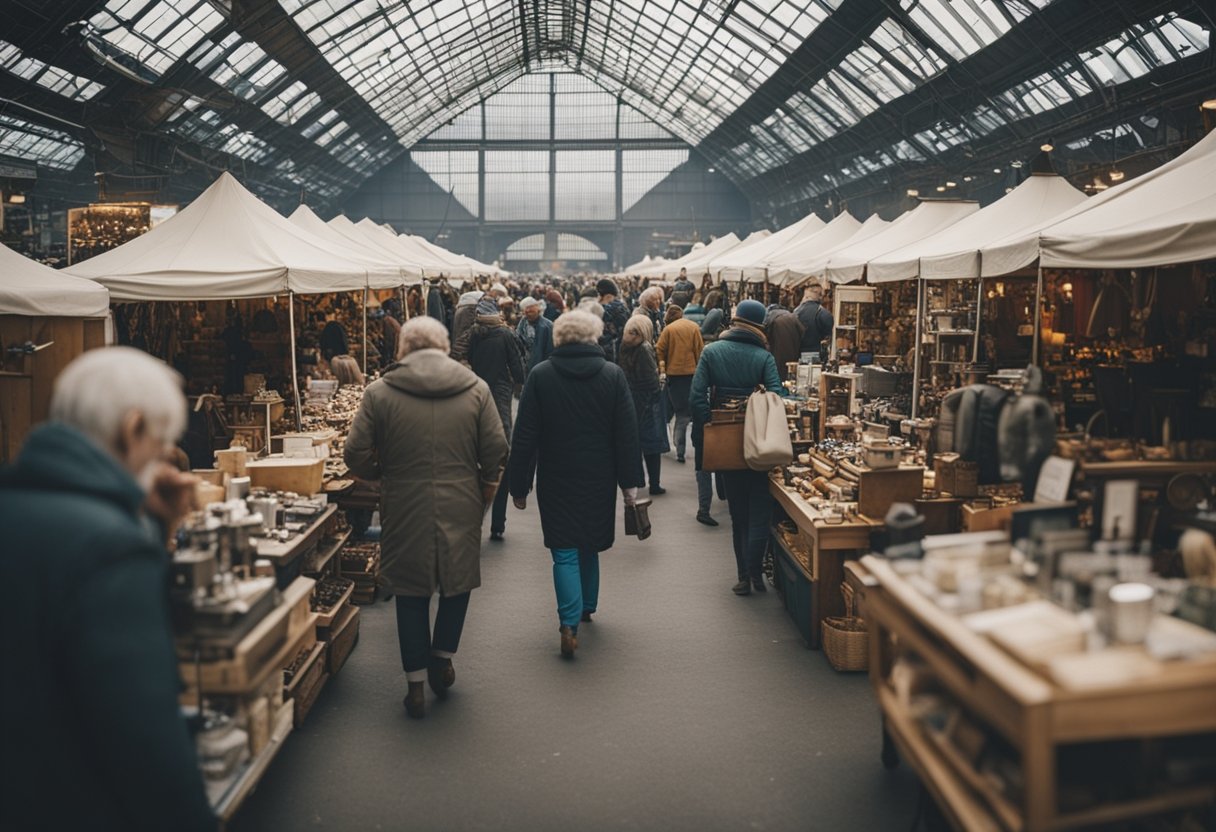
(733,365)
(93,737)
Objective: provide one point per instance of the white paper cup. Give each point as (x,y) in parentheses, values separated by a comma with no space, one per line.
(1131,612)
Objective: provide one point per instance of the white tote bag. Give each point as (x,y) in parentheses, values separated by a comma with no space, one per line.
(766,434)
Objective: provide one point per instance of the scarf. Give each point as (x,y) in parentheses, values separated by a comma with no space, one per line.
(490,320)
(751,329)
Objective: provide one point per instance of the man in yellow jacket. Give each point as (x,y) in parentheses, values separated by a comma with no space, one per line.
(678,351)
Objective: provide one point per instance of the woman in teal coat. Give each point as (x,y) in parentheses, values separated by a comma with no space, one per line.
(732,367)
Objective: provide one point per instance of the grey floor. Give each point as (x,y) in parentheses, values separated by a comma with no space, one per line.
(686,708)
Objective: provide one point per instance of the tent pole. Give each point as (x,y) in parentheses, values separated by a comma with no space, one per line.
(1038,316)
(979,311)
(920,314)
(364,330)
(295,375)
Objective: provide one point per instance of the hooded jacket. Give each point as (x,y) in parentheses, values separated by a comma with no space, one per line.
(429,431)
(576,432)
(89,694)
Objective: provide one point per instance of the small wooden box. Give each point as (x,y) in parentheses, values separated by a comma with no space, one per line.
(878,490)
(342,639)
(301,476)
(306,686)
(987,519)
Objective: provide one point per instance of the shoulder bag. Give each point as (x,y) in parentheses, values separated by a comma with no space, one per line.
(766,433)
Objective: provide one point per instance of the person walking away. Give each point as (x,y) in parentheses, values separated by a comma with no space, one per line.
(429,431)
(555,305)
(494,357)
(784,332)
(615,317)
(816,320)
(462,321)
(535,332)
(642,373)
(683,290)
(390,331)
(732,367)
(89,696)
(678,351)
(577,434)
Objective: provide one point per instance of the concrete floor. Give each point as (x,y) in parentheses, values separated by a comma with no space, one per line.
(686,708)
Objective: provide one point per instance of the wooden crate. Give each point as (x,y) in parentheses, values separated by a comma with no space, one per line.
(303,476)
(342,638)
(262,649)
(877,491)
(306,685)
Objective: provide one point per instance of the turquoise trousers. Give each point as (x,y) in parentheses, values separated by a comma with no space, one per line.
(576,579)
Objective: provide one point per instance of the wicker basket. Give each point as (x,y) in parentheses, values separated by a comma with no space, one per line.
(846,641)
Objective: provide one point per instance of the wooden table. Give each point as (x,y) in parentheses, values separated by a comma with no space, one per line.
(831,545)
(1030,712)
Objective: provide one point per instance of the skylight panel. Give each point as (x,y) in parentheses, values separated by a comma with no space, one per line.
(959,27)
(60,81)
(52,148)
(158,33)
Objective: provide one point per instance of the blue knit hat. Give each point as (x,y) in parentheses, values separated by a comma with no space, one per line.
(487,306)
(752,311)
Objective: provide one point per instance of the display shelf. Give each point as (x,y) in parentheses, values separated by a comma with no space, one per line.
(327,619)
(326,549)
(284,553)
(227,799)
(1035,716)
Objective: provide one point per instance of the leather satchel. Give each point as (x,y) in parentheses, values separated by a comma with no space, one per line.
(766,433)
(637,519)
(722,442)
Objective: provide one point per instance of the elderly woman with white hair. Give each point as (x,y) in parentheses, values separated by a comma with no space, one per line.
(650,302)
(576,432)
(429,431)
(86,575)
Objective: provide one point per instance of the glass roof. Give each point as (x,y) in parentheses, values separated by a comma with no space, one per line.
(569,247)
(57,80)
(35,143)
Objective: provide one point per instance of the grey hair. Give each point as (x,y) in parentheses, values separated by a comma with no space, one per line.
(528,302)
(422,333)
(642,325)
(653,291)
(592,307)
(98,390)
(577,327)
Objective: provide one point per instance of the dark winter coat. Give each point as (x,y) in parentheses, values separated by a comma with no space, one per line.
(93,738)
(428,430)
(577,433)
(784,332)
(731,366)
(695,313)
(642,373)
(682,292)
(615,318)
(494,357)
(333,341)
(542,342)
(817,325)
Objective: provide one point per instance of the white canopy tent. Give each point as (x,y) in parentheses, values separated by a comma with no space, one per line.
(699,265)
(33,290)
(307,219)
(645,263)
(229,244)
(849,263)
(476,266)
(808,259)
(836,232)
(379,245)
(1166,216)
(433,265)
(672,267)
(954,252)
(746,261)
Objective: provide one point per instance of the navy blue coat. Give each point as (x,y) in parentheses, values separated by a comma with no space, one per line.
(576,432)
(93,738)
(542,344)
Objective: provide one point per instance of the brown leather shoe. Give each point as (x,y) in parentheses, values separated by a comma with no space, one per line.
(586,616)
(569,642)
(415,700)
(441,676)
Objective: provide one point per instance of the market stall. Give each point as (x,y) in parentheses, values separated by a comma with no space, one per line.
(47,318)
(700,252)
(745,261)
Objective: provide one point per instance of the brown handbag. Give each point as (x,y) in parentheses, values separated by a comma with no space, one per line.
(637,519)
(722,442)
